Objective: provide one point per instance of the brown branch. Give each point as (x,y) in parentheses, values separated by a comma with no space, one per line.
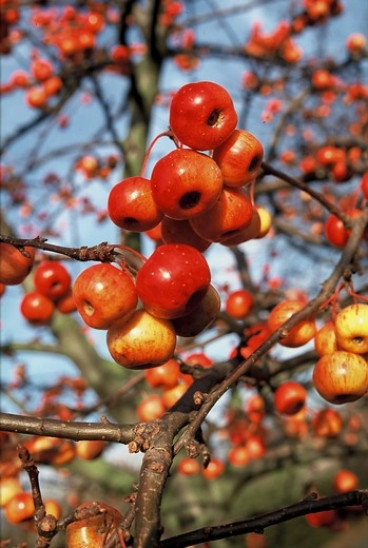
(312,504)
(46,523)
(73,430)
(103,252)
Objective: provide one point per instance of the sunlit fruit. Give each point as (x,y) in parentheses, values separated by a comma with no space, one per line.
(290,397)
(351,326)
(140,340)
(52,279)
(256,446)
(185,183)
(51,450)
(202,115)
(229,216)
(95,530)
(325,339)
(239,158)
(239,303)
(341,377)
(173,280)
(19,508)
(238,455)
(15,264)
(103,293)
(36,308)
(298,335)
(150,408)
(131,205)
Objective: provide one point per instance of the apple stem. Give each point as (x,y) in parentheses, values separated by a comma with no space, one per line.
(333,299)
(130,258)
(149,149)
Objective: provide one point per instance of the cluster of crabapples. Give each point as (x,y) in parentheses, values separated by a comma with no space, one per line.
(341,373)
(193,198)
(51,280)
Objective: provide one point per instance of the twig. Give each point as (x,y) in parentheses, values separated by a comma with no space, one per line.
(259,523)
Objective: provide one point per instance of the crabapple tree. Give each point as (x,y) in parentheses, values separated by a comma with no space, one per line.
(183,273)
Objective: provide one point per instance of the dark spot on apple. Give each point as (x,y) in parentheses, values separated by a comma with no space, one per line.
(88,309)
(229,233)
(255,163)
(55,285)
(190,199)
(215,116)
(358,340)
(344,398)
(131,221)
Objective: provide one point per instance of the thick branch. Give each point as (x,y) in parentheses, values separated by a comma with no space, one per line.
(64,429)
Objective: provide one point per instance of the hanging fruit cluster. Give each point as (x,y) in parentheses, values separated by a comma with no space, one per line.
(195,197)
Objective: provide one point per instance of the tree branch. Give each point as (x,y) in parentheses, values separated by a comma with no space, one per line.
(259,523)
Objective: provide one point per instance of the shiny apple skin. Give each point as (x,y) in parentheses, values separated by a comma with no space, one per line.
(104,293)
(14,265)
(239,303)
(230,215)
(341,377)
(173,280)
(351,326)
(325,339)
(140,340)
(19,508)
(251,231)
(336,233)
(290,397)
(298,335)
(95,530)
(239,158)
(52,279)
(202,115)
(185,183)
(131,205)
(36,308)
